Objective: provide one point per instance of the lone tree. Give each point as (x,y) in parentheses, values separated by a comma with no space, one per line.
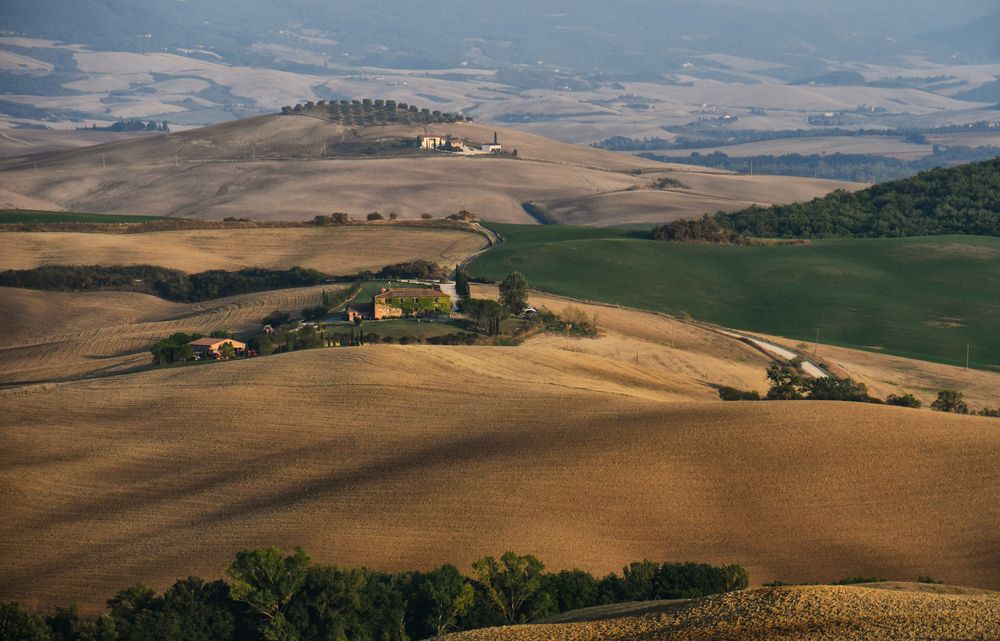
(513,585)
(950,400)
(514,293)
(266,581)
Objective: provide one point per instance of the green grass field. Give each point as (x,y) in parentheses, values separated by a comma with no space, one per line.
(925,298)
(10,216)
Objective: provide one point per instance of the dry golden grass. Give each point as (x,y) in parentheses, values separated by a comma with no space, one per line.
(18,142)
(215,176)
(792,614)
(59,336)
(159,474)
(588,453)
(885,374)
(333,250)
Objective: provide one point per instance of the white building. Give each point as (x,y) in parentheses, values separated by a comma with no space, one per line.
(430,142)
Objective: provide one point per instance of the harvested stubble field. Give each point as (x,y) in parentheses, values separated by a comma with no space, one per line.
(334,250)
(479,449)
(814,613)
(289,168)
(54,336)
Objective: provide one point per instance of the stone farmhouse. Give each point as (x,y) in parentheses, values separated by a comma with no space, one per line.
(210,347)
(400,303)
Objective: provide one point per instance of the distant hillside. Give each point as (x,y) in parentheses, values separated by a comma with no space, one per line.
(584,35)
(978,38)
(358,158)
(957,200)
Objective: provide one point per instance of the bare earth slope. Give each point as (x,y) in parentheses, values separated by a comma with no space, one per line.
(162,473)
(815,613)
(290,167)
(333,250)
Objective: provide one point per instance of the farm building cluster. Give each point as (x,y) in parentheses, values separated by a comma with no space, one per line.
(457,145)
(401,303)
(217,348)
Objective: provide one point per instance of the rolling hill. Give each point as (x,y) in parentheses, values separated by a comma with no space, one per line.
(815,613)
(927,297)
(297,166)
(129,478)
(953,200)
(340,250)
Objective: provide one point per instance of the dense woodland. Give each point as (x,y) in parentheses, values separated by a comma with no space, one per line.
(957,200)
(267,595)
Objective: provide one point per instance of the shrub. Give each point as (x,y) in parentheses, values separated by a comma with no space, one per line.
(927,579)
(854,580)
(732,394)
(838,389)
(375,216)
(704,229)
(315,313)
(174,349)
(906,400)
(276,318)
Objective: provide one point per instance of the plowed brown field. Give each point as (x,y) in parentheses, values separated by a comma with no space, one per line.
(814,613)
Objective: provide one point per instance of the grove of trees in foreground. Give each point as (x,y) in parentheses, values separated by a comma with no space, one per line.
(275,597)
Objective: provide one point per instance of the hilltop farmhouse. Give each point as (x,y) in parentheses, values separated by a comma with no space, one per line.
(452,144)
(400,303)
(212,347)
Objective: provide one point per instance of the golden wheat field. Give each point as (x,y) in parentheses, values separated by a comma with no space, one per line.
(400,457)
(883,374)
(333,250)
(281,168)
(815,613)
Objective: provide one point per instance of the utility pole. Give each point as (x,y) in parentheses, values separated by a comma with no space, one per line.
(816,344)
(751,166)
(968,355)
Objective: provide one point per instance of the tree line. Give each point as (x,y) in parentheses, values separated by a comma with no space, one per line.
(787,383)
(174,285)
(868,168)
(697,136)
(369,111)
(134,124)
(268,595)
